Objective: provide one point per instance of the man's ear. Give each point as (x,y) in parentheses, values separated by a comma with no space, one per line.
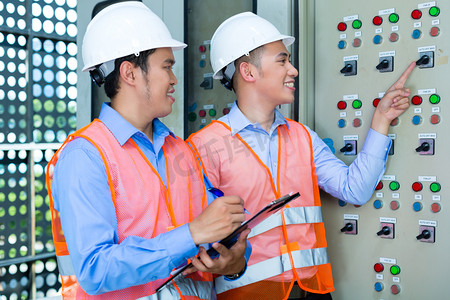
(128,72)
(247,71)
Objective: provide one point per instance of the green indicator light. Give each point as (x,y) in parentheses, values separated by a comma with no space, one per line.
(357,24)
(394,185)
(393,18)
(435,99)
(192,116)
(356,104)
(435,187)
(395,270)
(212,112)
(434,11)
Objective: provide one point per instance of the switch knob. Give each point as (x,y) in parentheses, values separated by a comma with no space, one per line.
(384,231)
(426,234)
(347,69)
(347,148)
(425,59)
(347,227)
(423,147)
(383,64)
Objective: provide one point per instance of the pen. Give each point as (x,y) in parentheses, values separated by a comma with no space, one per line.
(219,193)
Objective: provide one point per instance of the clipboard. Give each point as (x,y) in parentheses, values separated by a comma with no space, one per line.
(231,239)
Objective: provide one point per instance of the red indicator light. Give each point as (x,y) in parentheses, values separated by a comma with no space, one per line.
(417,186)
(202,48)
(378,267)
(416,14)
(342,105)
(342,26)
(377,20)
(416,100)
(376,101)
(379,186)
(202,113)
(226,110)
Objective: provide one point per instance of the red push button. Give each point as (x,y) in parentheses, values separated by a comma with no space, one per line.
(435,119)
(377,20)
(417,186)
(378,267)
(394,205)
(416,100)
(356,42)
(226,110)
(379,186)
(342,26)
(394,122)
(393,37)
(202,113)
(435,207)
(357,122)
(342,105)
(395,289)
(376,101)
(202,48)
(434,31)
(416,14)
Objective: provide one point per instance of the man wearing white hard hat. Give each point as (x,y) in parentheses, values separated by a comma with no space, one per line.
(258,154)
(127,196)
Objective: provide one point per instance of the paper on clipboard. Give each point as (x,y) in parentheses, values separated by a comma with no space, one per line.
(231,239)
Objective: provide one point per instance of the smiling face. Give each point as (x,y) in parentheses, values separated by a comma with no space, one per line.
(158,83)
(275,78)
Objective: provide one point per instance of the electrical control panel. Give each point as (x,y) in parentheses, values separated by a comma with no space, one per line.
(395,246)
(206,99)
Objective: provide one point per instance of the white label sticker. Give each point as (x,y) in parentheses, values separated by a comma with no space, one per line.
(388,220)
(417,24)
(358,34)
(426,91)
(387,260)
(435,22)
(417,197)
(350,18)
(379,195)
(428,48)
(358,113)
(396,279)
(427,135)
(427,178)
(350,137)
(428,223)
(436,109)
(388,177)
(351,217)
(426,4)
(343,36)
(417,110)
(392,136)
(395,196)
(203,121)
(386,53)
(343,114)
(206,42)
(349,58)
(350,97)
(395,28)
(379,30)
(386,11)
(379,276)
(436,197)
(208,106)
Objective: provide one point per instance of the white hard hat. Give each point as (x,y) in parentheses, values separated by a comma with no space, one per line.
(122,29)
(237,36)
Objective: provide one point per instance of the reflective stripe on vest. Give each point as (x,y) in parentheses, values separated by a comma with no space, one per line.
(293,215)
(188,287)
(273,267)
(65,266)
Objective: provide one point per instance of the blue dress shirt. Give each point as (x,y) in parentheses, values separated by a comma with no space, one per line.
(354,184)
(81,194)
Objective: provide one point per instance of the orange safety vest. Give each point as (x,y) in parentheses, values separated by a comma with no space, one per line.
(285,247)
(144,207)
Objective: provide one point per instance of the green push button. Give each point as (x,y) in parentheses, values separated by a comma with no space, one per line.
(394,185)
(357,24)
(435,99)
(192,116)
(435,187)
(212,112)
(356,104)
(395,270)
(393,18)
(434,11)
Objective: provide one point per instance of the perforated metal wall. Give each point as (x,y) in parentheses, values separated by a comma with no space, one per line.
(37,111)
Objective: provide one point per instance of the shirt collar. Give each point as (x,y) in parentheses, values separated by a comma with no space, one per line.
(122,129)
(238,121)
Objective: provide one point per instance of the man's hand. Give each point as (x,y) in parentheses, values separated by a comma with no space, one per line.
(218,220)
(393,104)
(230,261)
